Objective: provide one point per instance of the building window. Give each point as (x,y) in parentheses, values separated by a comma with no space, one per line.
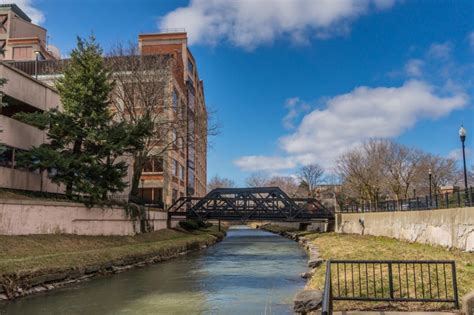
(181,172)
(190,66)
(153,164)
(174,167)
(175,101)
(174,195)
(151,195)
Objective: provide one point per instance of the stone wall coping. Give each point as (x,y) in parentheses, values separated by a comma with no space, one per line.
(40,202)
(404,211)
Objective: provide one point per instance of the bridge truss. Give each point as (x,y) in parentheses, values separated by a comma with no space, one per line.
(249,204)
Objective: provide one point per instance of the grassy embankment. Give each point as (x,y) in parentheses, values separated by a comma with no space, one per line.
(23,259)
(351,246)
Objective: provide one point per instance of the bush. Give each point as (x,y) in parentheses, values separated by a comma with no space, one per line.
(189,225)
(194,224)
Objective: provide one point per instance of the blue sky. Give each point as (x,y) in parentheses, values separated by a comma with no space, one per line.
(297,82)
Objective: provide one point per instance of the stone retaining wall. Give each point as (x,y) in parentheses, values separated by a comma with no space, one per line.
(25,217)
(446,227)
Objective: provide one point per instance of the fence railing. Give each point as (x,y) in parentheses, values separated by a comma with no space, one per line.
(390,281)
(454,199)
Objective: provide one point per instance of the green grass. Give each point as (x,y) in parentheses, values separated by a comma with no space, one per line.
(43,253)
(349,246)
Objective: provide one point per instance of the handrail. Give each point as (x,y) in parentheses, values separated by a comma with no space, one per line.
(327,294)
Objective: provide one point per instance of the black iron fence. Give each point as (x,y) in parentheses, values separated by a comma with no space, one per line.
(390,281)
(452,199)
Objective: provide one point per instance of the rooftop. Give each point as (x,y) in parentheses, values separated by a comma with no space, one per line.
(16,9)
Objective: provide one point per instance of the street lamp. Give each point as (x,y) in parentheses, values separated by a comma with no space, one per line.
(462,135)
(37,54)
(143,190)
(429,176)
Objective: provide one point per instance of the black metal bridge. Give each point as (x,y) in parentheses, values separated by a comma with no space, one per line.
(249,204)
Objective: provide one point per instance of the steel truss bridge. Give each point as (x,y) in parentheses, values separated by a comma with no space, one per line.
(249,204)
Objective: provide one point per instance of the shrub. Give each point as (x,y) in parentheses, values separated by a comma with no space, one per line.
(189,225)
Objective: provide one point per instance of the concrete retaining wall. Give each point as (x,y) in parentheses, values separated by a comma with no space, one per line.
(446,227)
(24,217)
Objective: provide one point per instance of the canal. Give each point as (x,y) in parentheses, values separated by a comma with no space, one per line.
(250,272)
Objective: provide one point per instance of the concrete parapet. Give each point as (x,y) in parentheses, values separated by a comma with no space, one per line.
(446,227)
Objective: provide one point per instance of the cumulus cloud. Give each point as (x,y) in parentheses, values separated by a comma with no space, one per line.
(348,119)
(440,50)
(254,163)
(295,107)
(413,67)
(36,15)
(250,23)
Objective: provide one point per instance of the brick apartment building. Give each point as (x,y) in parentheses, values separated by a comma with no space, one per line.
(165,178)
(196,149)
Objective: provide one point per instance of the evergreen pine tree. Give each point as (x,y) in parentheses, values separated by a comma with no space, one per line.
(86,145)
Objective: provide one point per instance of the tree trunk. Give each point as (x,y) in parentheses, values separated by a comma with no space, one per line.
(138,162)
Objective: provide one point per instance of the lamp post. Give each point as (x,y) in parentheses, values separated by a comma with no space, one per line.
(462,136)
(37,53)
(143,190)
(429,177)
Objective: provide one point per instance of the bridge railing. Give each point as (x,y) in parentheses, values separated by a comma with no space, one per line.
(390,281)
(454,199)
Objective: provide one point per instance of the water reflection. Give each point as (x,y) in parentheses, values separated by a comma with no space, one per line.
(250,272)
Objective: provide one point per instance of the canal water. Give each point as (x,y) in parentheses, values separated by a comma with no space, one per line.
(250,272)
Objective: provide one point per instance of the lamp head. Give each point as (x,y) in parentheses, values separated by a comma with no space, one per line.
(462,133)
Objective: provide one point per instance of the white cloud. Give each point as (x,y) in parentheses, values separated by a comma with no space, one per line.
(440,50)
(27,6)
(295,108)
(264,163)
(413,67)
(349,119)
(470,38)
(250,23)
(456,154)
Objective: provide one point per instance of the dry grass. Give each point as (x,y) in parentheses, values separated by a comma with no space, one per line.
(347,246)
(33,253)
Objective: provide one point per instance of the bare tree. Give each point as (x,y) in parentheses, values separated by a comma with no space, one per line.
(310,176)
(148,94)
(257,180)
(219,182)
(443,172)
(401,166)
(286,183)
(362,171)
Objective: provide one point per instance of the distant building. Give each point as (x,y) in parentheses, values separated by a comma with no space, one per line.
(20,39)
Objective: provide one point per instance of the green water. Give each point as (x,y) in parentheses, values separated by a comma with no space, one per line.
(250,272)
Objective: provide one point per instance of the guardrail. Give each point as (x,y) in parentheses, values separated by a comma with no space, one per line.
(456,199)
(389,281)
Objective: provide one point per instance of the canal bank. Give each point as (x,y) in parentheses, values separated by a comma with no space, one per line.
(250,272)
(38,263)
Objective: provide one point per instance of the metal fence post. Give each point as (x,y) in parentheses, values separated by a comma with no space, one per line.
(446,197)
(390,279)
(455,285)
